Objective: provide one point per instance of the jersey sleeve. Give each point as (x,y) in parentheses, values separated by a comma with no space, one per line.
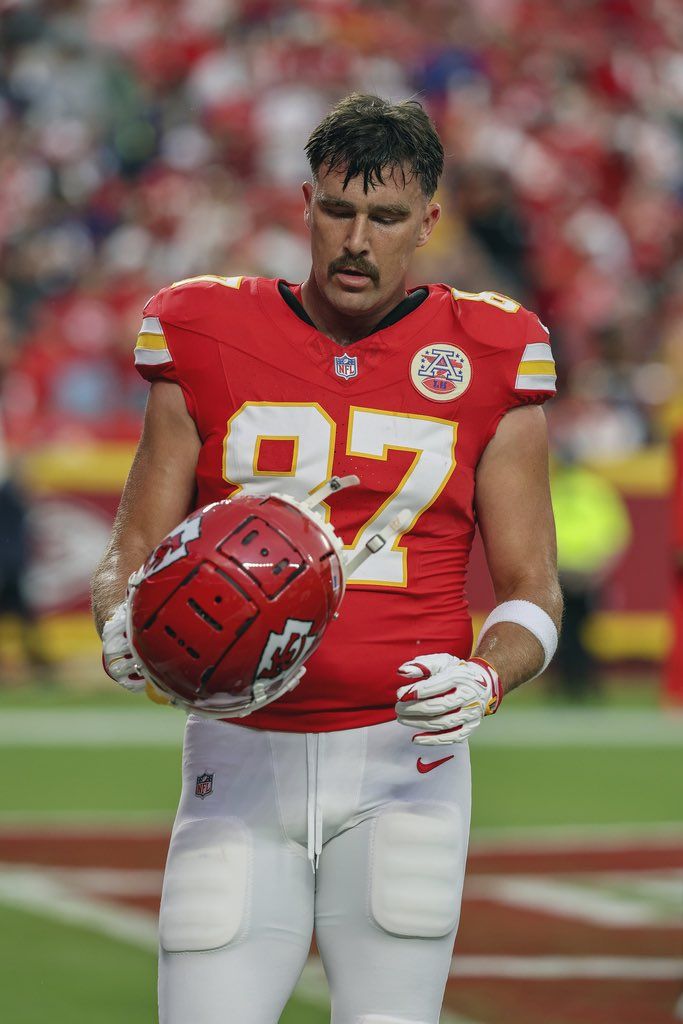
(155,355)
(533,366)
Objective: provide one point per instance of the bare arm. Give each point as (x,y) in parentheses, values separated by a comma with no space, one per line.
(158,494)
(512,497)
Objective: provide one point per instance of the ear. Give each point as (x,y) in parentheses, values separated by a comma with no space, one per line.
(429,222)
(307,190)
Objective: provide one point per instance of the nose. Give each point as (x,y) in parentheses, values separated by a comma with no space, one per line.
(357,237)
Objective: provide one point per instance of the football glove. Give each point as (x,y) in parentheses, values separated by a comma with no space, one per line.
(447,697)
(117,656)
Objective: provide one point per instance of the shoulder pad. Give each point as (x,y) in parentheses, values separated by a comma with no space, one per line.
(195,298)
(495,320)
(519,336)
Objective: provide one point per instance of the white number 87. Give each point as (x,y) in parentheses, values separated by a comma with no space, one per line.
(372,434)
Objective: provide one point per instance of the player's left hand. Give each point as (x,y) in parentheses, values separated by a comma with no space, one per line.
(447,697)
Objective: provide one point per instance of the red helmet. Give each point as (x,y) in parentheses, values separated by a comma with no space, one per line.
(229,605)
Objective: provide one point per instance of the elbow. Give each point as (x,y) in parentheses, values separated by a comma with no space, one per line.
(542,589)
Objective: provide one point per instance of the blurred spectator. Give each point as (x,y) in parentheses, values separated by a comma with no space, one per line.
(14,562)
(142,143)
(593,531)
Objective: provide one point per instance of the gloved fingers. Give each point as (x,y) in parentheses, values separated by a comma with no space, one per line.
(132,681)
(413,700)
(438,722)
(455,681)
(426,665)
(437,739)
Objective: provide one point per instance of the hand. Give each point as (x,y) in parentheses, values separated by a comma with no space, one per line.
(448,697)
(117,657)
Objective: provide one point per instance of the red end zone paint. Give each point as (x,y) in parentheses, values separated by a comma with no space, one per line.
(489,928)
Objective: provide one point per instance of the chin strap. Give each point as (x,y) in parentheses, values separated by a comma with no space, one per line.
(375,543)
(378,540)
(331,486)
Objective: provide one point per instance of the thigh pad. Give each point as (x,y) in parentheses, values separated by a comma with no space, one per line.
(416,872)
(203,903)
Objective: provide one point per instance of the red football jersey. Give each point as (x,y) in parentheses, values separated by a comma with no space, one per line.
(409,409)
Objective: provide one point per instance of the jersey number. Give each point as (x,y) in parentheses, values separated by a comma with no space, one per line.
(372,434)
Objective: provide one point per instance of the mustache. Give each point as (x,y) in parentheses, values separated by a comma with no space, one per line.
(361,265)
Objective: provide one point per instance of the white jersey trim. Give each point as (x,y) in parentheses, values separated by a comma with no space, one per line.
(151,357)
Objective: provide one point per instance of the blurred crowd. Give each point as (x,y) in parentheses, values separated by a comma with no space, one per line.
(143,141)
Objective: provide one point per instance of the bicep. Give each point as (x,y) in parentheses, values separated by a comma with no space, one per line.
(160,488)
(512,500)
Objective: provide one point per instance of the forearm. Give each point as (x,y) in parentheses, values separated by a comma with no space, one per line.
(512,650)
(158,494)
(111,577)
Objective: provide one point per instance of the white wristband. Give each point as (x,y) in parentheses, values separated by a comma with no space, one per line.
(531,617)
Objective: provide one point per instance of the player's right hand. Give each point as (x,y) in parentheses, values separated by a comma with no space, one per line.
(117,656)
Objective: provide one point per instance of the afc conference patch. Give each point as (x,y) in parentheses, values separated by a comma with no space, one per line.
(204,786)
(441,372)
(346,366)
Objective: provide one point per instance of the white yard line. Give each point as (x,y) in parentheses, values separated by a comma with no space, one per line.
(580,902)
(533,727)
(43,893)
(86,727)
(583,727)
(542,968)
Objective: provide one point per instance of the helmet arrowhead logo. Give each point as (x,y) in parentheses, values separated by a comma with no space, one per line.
(286,650)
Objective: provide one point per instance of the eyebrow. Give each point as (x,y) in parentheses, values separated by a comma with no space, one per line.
(396,209)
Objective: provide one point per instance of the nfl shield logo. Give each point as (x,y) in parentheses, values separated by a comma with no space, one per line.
(204,785)
(346,366)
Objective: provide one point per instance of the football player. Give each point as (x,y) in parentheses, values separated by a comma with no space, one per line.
(343,807)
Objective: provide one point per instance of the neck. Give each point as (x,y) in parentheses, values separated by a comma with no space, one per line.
(345,328)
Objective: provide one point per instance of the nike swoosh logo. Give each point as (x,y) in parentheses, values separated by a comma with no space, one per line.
(423,766)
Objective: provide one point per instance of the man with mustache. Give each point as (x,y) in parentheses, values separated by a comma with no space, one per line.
(320,812)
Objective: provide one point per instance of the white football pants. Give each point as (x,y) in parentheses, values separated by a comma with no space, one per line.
(280,833)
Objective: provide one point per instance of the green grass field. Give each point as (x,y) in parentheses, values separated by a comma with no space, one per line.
(107,757)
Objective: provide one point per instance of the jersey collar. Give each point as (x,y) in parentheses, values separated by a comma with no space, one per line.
(292,296)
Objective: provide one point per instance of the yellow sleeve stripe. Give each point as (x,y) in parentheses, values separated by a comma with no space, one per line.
(531,366)
(151,342)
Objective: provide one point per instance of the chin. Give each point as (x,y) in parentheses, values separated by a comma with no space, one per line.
(352,302)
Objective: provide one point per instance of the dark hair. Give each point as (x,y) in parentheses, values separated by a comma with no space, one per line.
(370,136)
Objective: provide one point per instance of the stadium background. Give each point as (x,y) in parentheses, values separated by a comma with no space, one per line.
(144,142)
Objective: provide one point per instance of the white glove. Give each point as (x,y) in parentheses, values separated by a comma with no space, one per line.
(448,697)
(117,657)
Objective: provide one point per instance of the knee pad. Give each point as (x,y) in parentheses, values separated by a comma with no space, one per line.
(206,884)
(416,873)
